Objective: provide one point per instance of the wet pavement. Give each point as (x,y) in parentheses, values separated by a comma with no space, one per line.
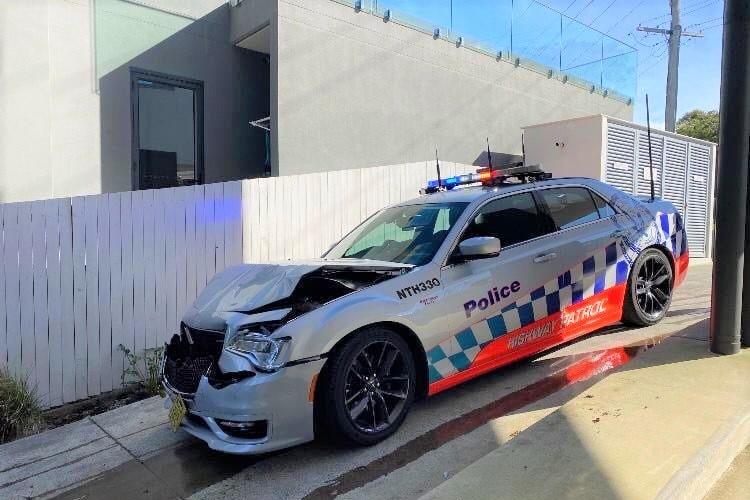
(441,436)
(173,473)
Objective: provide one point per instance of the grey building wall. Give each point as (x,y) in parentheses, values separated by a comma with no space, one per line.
(236,90)
(249,16)
(354,91)
(65,124)
(343,90)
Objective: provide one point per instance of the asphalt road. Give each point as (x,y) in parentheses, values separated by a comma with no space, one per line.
(441,436)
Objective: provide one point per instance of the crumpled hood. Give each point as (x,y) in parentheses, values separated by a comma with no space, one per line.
(247,287)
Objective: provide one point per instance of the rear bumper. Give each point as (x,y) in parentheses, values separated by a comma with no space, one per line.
(681,268)
(281,399)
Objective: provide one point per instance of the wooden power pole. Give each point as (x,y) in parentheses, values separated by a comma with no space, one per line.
(675,33)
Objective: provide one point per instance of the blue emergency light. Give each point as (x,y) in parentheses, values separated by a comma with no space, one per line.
(488,177)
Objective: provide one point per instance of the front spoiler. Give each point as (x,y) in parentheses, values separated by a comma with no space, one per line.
(280,398)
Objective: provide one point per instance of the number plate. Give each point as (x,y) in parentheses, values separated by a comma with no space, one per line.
(177,412)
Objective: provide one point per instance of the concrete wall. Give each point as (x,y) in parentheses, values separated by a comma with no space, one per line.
(65,90)
(49,121)
(356,91)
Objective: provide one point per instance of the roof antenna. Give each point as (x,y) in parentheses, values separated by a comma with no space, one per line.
(650,158)
(437,165)
(489,155)
(523,151)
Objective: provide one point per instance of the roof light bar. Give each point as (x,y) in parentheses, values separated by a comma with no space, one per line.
(488,177)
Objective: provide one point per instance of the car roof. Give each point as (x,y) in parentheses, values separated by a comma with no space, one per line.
(476,193)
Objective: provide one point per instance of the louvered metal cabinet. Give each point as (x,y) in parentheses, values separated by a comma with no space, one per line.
(683,174)
(698,192)
(621,157)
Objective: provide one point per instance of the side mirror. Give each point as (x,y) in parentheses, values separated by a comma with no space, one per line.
(478,247)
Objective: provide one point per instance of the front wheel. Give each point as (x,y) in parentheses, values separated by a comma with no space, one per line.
(367,387)
(649,292)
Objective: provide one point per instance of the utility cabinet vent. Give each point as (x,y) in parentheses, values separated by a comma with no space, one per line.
(621,157)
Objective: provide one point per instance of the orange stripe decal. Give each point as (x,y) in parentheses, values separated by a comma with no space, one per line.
(597,311)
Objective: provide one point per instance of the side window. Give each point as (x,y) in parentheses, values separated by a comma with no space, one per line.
(605,209)
(512,219)
(570,206)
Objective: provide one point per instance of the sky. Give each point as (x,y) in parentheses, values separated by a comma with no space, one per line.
(700,58)
(537,24)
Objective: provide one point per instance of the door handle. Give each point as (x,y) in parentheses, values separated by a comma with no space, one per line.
(619,233)
(545,257)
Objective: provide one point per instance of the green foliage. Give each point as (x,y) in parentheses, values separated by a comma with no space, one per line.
(700,124)
(20,409)
(143,370)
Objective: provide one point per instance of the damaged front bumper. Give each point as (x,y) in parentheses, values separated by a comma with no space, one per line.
(258,413)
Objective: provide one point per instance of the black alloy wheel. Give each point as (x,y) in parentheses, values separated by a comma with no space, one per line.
(377,386)
(649,292)
(366,388)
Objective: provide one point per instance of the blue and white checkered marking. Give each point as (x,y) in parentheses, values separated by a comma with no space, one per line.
(672,233)
(605,269)
(602,270)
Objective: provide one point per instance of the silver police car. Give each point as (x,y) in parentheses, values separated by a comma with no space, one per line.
(482,270)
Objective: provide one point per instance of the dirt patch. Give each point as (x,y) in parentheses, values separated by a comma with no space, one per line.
(72,412)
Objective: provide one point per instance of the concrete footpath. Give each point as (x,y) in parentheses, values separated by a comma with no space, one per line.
(665,425)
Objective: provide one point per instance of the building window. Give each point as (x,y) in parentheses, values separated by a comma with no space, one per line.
(167,118)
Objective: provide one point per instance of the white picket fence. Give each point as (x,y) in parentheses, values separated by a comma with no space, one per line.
(82,275)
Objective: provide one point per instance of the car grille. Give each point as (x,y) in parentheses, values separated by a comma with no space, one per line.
(185,363)
(185,374)
(206,342)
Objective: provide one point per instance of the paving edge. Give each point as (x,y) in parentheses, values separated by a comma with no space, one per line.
(696,478)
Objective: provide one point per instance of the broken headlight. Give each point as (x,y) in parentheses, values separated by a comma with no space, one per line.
(265,353)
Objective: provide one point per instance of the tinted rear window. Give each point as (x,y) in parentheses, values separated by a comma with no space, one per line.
(570,206)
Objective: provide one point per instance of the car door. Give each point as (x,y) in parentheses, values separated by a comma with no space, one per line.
(592,272)
(479,295)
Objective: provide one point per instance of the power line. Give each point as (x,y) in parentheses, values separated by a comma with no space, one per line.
(660,57)
(569,6)
(701,7)
(636,77)
(588,25)
(619,21)
(644,44)
(704,22)
(570,64)
(601,39)
(581,11)
(689,6)
(602,13)
(719,25)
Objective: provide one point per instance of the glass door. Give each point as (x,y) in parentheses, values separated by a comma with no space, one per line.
(167,130)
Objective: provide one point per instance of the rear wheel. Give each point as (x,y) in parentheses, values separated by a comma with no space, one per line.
(367,387)
(649,292)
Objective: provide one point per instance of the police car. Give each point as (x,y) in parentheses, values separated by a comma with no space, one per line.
(481,270)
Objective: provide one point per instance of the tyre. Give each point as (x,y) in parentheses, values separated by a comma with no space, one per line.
(366,388)
(649,291)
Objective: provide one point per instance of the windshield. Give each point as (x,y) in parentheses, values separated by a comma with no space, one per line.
(408,234)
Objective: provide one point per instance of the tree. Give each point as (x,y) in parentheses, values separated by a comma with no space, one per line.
(700,124)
